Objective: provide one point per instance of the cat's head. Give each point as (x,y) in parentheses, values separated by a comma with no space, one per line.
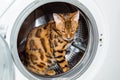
(67,24)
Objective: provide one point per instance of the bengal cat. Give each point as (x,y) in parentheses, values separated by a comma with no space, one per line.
(46,45)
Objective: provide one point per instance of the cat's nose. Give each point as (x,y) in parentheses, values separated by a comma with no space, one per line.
(68,37)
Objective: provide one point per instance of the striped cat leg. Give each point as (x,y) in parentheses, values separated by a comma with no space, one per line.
(63,63)
(50,62)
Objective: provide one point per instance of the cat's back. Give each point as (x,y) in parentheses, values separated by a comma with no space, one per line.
(35,32)
(40,31)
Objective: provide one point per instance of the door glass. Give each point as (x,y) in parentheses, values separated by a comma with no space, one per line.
(6,64)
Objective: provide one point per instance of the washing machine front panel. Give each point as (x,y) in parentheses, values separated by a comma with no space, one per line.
(4,6)
(18,10)
(96,17)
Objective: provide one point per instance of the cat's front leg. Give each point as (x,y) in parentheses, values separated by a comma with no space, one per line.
(60,58)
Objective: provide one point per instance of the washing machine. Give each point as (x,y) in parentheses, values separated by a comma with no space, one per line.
(93,54)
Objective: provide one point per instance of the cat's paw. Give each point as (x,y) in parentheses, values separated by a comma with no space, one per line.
(51,73)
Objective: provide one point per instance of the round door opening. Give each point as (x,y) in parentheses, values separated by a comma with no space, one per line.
(66,53)
(57,39)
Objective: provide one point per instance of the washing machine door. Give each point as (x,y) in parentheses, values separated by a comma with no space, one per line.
(6,64)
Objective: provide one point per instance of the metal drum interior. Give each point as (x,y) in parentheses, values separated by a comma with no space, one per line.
(78,53)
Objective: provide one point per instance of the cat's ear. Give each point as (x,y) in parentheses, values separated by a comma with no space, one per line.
(57,18)
(76,16)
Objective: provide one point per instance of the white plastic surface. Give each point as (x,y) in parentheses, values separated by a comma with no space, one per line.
(4,5)
(6,64)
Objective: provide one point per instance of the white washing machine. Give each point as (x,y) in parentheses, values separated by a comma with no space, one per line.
(97,50)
